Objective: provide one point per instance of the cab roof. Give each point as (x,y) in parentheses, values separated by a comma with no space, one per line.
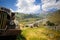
(5,9)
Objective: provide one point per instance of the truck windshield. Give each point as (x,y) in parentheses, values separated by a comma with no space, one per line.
(3,19)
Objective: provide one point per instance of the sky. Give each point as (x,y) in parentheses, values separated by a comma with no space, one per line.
(31,6)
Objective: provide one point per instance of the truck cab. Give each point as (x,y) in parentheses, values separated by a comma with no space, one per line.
(7,25)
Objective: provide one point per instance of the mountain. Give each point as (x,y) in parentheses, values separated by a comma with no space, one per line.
(54,17)
(23,16)
(51,16)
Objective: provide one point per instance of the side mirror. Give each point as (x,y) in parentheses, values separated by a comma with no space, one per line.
(12,16)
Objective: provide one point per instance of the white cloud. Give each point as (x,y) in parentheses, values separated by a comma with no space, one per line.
(27,6)
(48,4)
(46,1)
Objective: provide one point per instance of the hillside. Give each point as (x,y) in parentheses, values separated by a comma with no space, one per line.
(27,18)
(54,17)
(41,32)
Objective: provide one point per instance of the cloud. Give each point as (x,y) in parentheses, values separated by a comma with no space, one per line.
(49,4)
(27,6)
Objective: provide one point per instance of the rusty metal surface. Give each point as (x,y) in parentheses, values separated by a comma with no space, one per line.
(8,37)
(8,29)
(10,32)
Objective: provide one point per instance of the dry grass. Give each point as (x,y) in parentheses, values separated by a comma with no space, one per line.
(40,34)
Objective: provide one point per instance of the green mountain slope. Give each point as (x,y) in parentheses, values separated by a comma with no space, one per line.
(54,17)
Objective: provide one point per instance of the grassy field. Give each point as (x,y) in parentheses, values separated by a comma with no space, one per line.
(41,33)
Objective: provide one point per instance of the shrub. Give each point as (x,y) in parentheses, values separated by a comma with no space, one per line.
(50,23)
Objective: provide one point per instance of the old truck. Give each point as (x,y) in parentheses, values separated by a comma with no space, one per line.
(8,26)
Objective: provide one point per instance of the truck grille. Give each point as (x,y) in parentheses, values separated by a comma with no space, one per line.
(3,19)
